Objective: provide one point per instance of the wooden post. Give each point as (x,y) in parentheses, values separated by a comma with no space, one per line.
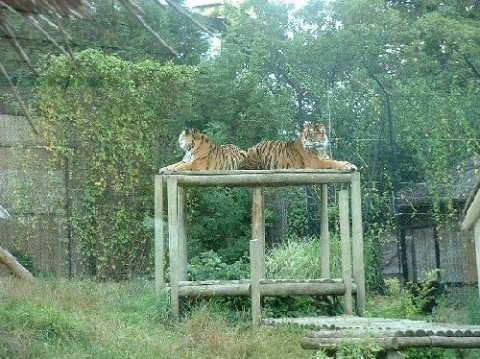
(12,264)
(357,245)
(324,234)
(256,248)
(258,224)
(172,189)
(182,234)
(346,255)
(159,236)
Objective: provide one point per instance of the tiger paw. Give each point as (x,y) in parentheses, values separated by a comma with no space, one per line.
(350,167)
(166,169)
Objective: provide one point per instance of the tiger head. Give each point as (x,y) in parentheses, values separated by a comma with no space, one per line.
(314,137)
(190,138)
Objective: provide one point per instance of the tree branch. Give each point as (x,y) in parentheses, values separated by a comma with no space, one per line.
(10,37)
(46,34)
(19,99)
(182,11)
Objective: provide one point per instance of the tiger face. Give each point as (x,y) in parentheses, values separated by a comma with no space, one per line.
(315,137)
(188,139)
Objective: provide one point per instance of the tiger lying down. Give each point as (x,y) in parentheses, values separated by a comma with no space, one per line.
(202,154)
(308,151)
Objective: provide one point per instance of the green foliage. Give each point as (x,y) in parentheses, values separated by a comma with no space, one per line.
(411,301)
(209,265)
(114,122)
(219,219)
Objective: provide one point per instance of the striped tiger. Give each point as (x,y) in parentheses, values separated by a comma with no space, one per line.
(202,154)
(308,151)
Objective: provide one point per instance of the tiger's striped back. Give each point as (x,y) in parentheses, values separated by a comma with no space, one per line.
(307,151)
(269,155)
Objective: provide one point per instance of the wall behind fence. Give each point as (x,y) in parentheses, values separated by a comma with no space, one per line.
(35,199)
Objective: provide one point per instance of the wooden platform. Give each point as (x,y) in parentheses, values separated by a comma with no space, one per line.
(392,335)
(351,234)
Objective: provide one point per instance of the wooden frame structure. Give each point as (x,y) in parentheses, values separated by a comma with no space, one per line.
(352,248)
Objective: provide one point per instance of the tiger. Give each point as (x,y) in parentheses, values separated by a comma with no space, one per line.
(308,151)
(202,154)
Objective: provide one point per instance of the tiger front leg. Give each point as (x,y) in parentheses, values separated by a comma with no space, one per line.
(179,166)
(333,164)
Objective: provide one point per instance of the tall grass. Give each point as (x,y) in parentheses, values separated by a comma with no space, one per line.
(299,258)
(83,319)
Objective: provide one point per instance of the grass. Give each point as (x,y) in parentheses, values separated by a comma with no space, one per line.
(53,318)
(83,319)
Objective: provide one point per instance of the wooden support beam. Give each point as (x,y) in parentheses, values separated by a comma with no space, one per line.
(256,269)
(324,233)
(174,251)
(258,225)
(346,253)
(159,236)
(267,287)
(357,243)
(182,234)
(259,178)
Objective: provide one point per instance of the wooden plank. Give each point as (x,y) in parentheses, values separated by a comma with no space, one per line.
(345,249)
(159,236)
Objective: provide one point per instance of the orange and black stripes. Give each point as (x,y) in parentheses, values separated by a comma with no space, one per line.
(202,154)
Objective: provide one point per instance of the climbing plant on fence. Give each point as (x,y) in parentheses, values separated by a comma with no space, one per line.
(112,122)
